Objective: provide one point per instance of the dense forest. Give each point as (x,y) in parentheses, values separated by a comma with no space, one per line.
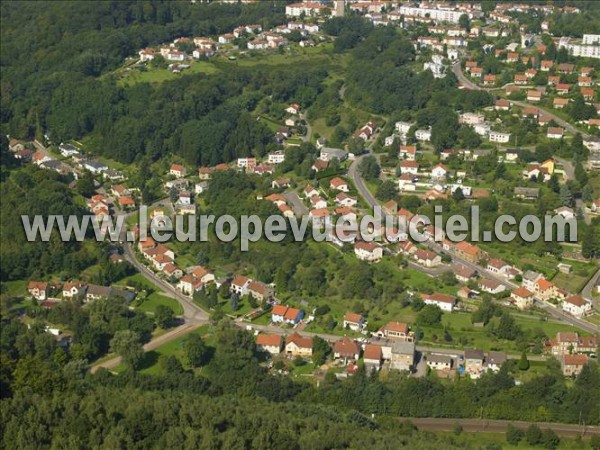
(57,59)
(49,397)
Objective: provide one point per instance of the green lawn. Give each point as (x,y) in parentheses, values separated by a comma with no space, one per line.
(150,303)
(158,75)
(175,347)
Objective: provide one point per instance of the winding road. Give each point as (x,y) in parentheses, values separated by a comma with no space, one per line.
(468,84)
(361,187)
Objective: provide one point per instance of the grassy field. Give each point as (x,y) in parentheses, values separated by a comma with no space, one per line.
(151,365)
(158,75)
(150,303)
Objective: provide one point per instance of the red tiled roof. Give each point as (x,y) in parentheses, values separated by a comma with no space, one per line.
(268,340)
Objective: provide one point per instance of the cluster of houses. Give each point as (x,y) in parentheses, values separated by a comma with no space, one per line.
(24,154)
(399,354)
(572,350)
(183,49)
(50,294)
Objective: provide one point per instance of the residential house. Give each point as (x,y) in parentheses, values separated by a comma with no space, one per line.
(260,291)
(408,152)
(73,290)
(39,290)
(491,286)
(270,343)
(294,108)
(278,313)
(172,271)
(286,314)
(319,165)
(68,150)
(530,278)
(346,200)
(239,285)
(495,360)
(177,170)
(310,191)
(205,173)
(463,274)
(523,297)
(338,184)
(565,212)
(318,202)
(443,301)
(346,349)
(372,356)
(555,133)
(468,252)
(427,258)
(403,356)
(566,342)
(497,266)
(502,105)
(501,138)
(563,88)
(560,103)
(354,322)
(534,95)
(474,362)
(577,306)
(396,330)
(423,134)
(368,251)
(439,362)
(545,290)
(96,292)
(572,365)
(276,157)
(297,345)
(409,167)
(439,172)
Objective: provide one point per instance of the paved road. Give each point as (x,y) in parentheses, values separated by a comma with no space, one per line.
(191,312)
(500,426)
(354,174)
(299,208)
(309,131)
(153,344)
(358,181)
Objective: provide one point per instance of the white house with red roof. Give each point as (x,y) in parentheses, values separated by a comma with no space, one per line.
(354,321)
(294,108)
(439,172)
(177,170)
(368,251)
(339,184)
(522,297)
(443,301)
(577,306)
(270,343)
(409,167)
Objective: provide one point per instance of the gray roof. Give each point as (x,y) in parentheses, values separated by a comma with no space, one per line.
(99,291)
(442,359)
(473,353)
(530,275)
(95,164)
(69,147)
(527,192)
(497,358)
(403,348)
